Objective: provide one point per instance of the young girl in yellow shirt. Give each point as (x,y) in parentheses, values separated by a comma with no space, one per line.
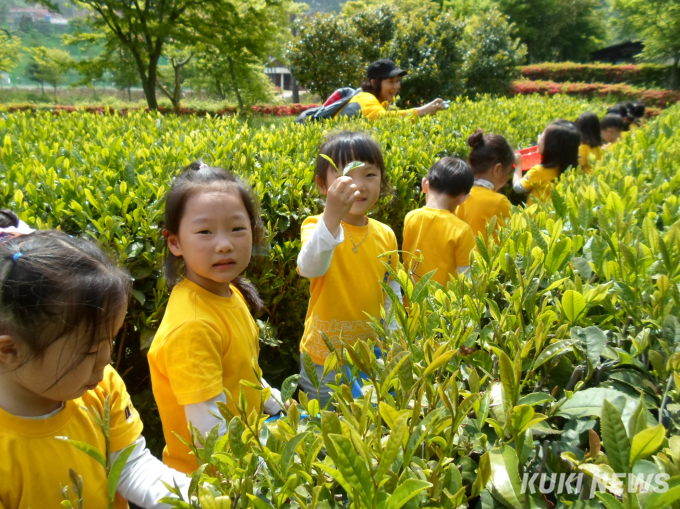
(434,231)
(559,147)
(340,252)
(588,126)
(491,160)
(63,301)
(207,340)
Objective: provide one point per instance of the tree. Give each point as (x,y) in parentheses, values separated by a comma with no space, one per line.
(429,49)
(143,27)
(556,29)
(326,55)
(178,57)
(10,46)
(238,78)
(491,54)
(123,71)
(657,23)
(50,66)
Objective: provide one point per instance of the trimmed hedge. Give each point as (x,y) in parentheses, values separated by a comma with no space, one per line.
(642,75)
(284,110)
(612,93)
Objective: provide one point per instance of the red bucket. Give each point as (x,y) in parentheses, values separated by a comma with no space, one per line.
(530,157)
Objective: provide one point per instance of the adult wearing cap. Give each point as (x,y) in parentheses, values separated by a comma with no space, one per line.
(382,84)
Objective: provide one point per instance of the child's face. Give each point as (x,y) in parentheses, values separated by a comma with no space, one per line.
(215,239)
(611,134)
(367,179)
(67,369)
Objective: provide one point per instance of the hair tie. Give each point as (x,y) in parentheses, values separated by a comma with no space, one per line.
(17,255)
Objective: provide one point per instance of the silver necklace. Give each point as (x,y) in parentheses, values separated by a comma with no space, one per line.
(355,247)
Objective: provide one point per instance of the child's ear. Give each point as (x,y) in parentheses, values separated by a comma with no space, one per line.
(425,184)
(173,244)
(321,184)
(9,352)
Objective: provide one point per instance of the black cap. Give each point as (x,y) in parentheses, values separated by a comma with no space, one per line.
(384,68)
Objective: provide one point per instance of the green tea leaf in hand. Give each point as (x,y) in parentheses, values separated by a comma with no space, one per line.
(351,166)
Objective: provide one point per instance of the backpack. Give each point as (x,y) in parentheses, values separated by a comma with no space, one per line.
(333,104)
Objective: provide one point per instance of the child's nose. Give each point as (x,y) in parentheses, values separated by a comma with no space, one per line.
(224,244)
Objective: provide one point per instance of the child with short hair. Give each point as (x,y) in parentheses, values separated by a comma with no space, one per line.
(491,160)
(591,139)
(11,226)
(62,301)
(639,115)
(340,252)
(207,341)
(443,239)
(559,147)
(611,127)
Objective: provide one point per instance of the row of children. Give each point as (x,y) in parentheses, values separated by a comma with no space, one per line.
(62,301)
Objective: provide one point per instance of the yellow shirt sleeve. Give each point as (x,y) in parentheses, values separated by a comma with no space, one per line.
(193,356)
(371,108)
(466,244)
(528,180)
(504,210)
(126,426)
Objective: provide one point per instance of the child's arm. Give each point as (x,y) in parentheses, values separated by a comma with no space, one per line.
(316,254)
(517,177)
(141,481)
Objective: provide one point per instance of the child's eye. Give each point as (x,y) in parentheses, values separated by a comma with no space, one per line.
(239,229)
(204,232)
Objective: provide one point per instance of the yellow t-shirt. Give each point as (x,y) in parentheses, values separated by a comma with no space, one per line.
(538,181)
(35,465)
(584,152)
(371,108)
(481,206)
(205,343)
(351,288)
(444,240)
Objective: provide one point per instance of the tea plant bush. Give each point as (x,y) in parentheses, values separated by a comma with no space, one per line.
(105,177)
(558,356)
(641,75)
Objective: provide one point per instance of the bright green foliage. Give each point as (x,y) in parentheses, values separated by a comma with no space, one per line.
(557,29)
(325,55)
(50,66)
(9,52)
(430,50)
(657,23)
(492,54)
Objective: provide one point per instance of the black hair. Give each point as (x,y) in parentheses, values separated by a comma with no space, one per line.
(611,120)
(8,218)
(368,86)
(618,109)
(588,126)
(561,141)
(195,178)
(343,147)
(488,150)
(54,285)
(638,110)
(451,176)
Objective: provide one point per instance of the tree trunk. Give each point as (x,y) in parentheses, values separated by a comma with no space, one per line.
(177,94)
(241,107)
(296,89)
(129,94)
(675,73)
(220,89)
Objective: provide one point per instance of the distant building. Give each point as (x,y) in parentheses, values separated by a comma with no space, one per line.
(623,53)
(279,74)
(16,14)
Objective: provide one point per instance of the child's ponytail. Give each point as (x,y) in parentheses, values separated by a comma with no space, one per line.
(195,177)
